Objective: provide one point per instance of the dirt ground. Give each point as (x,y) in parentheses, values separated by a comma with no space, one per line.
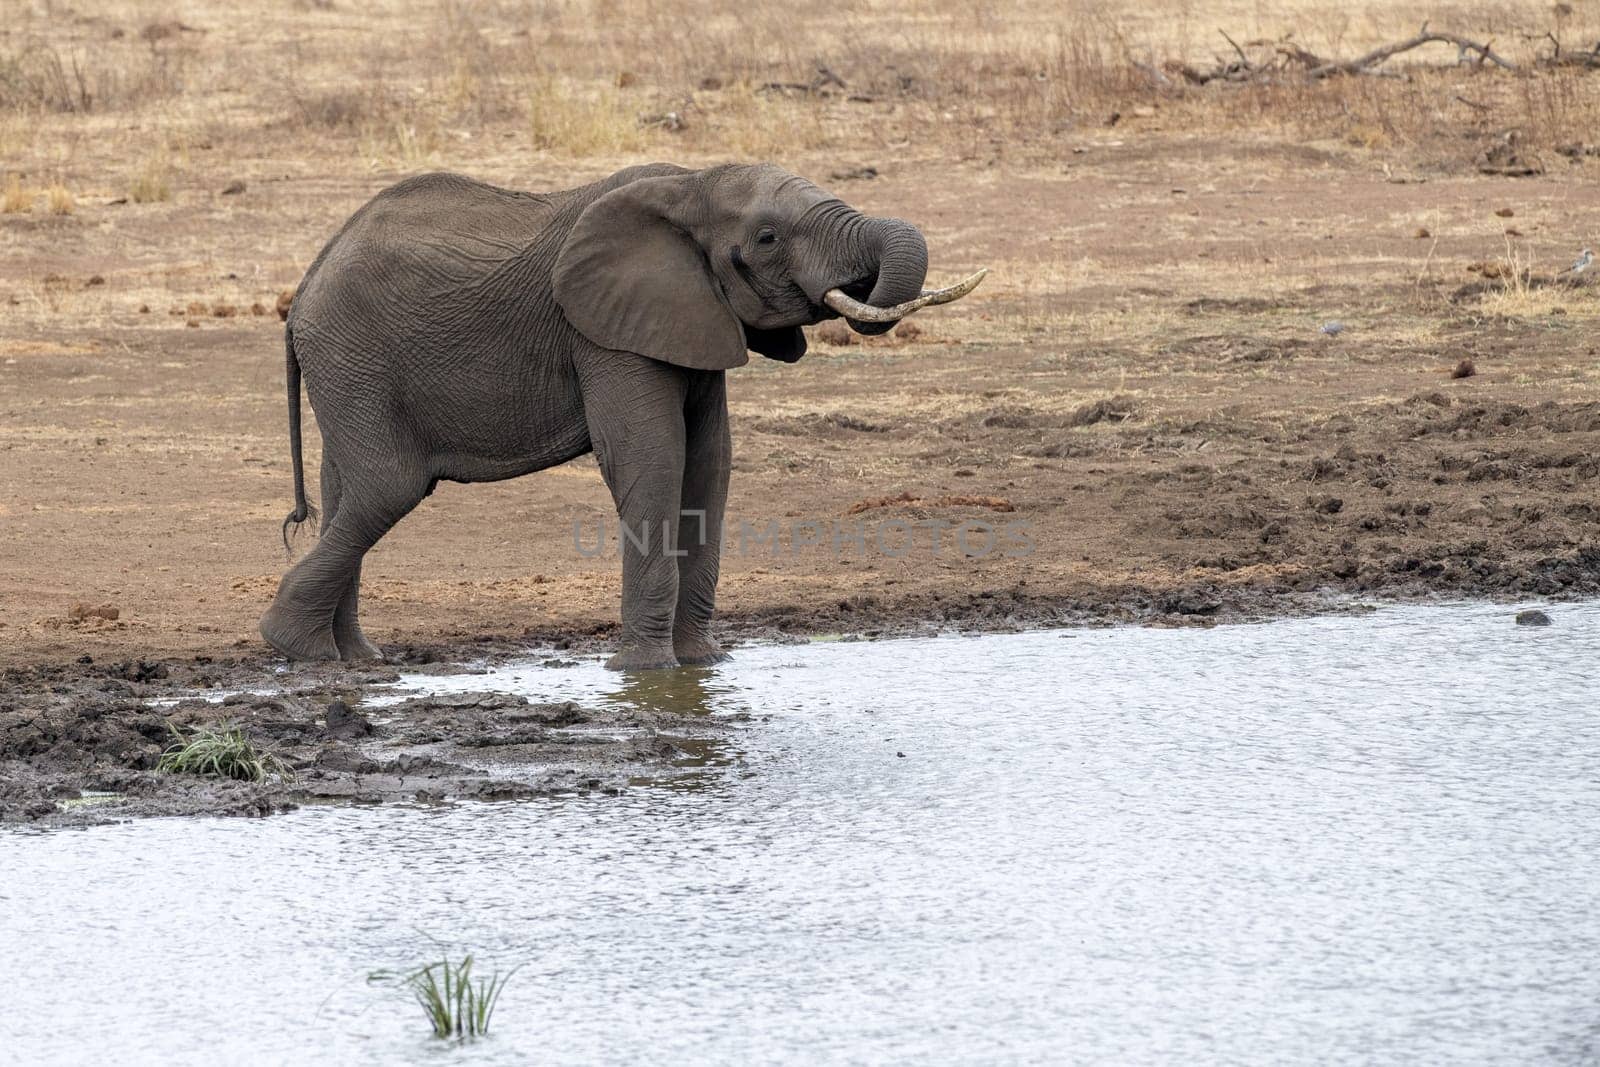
(1142,402)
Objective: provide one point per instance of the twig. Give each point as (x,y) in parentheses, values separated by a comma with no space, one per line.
(1423,273)
(1473,103)
(1244,59)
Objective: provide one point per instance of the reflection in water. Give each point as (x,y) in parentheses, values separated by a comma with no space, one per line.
(680,691)
(1334,840)
(689,691)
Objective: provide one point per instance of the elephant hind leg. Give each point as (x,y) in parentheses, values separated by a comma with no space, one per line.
(316,601)
(352,643)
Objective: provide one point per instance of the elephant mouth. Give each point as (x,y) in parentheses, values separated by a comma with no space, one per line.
(859,289)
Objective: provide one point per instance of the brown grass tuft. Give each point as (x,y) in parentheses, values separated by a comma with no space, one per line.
(16,199)
(573,120)
(153,183)
(60,200)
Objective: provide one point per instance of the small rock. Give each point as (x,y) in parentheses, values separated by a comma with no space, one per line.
(1465,369)
(855,174)
(233,188)
(671,121)
(1332,329)
(1189,603)
(94,280)
(1533,617)
(1422,232)
(1504,212)
(347,760)
(344,722)
(907,331)
(285,301)
(1325,505)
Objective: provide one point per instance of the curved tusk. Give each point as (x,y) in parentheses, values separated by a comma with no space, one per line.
(855,309)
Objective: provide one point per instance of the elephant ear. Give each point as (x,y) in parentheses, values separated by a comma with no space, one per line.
(786,344)
(630,277)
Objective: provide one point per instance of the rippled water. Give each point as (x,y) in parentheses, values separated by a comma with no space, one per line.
(1360,839)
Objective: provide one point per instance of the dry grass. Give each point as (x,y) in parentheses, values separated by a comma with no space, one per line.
(581,121)
(16,198)
(89,73)
(60,200)
(401,84)
(152,183)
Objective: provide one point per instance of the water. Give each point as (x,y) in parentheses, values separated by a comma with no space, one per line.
(1367,839)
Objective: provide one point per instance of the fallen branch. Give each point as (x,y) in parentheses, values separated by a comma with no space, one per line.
(1425,36)
(1286,60)
(825,79)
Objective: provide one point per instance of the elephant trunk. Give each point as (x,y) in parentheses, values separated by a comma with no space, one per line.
(900,256)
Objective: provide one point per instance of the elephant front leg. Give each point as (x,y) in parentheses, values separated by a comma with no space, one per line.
(708,456)
(649,592)
(636,423)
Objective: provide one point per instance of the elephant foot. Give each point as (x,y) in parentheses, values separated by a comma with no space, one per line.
(296,639)
(699,651)
(355,648)
(642,659)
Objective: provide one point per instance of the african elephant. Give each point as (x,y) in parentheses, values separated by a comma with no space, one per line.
(454,330)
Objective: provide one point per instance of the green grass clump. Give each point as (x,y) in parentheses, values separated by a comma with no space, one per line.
(222,751)
(455,1004)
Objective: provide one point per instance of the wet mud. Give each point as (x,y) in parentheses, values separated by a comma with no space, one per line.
(80,744)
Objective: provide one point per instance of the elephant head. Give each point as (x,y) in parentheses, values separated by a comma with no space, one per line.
(695,268)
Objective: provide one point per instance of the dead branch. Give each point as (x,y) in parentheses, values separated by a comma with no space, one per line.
(824,82)
(1587,60)
(1425,36)
(1284,60)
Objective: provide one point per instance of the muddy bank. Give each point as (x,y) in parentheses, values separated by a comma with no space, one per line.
(80,744)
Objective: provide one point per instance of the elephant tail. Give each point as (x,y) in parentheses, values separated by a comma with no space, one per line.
(302,507)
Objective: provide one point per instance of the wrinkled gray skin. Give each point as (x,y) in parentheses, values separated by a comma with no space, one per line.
(456,331)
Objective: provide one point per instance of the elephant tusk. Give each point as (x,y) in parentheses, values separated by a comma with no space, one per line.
(855,309)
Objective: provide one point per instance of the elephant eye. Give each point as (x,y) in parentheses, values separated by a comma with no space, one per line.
(766,237)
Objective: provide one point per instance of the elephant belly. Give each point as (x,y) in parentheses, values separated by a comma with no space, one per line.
(485,424)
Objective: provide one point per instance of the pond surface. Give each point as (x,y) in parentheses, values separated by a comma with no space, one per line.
(1345,839)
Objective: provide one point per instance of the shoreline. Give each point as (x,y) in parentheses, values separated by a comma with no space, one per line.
(71,733)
